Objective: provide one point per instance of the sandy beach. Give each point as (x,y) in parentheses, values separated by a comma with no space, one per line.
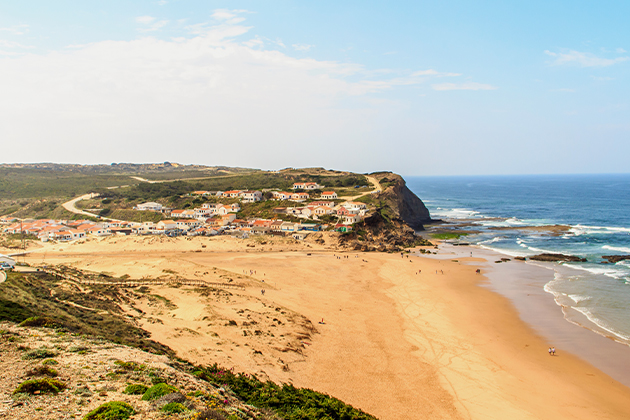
(367,328)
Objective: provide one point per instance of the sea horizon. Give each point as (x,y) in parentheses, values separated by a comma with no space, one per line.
(593,207)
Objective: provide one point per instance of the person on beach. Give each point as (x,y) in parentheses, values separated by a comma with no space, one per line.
(553,351)
(550,352)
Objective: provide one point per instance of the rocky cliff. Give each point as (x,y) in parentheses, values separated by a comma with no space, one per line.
(391,227)
(403,203)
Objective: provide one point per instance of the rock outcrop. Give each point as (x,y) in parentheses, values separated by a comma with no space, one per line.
(613,259)
(557,258)
(403,203)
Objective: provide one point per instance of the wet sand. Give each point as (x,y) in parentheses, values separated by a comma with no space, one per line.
(523,283)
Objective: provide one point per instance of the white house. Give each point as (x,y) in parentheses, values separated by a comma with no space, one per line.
(251,196)
(329,195)
(165,225)
(281,195)
(306,186)
(351,218)
(150,206)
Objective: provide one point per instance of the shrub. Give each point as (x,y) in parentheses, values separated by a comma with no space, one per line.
(211,415)
(42,371)
(41,353)
(113,410)
(129,366)
(44,386)
(39,321)
(174,407)
(50,362)
(156,391)
(135,389)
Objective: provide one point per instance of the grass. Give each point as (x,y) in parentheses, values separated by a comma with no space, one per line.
(157,391)
(289,402)
(27,297)
(445,236)
(41,386)
(113,410)
(135,389)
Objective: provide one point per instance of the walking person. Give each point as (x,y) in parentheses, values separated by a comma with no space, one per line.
(553,351)
(550,352)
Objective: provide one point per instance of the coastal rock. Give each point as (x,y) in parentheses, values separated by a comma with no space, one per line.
(402,201)
(613,259)
(557,258)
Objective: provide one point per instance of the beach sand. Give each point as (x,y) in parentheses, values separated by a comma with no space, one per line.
(397,344)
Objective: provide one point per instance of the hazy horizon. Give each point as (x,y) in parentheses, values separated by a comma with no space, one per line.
(418,88)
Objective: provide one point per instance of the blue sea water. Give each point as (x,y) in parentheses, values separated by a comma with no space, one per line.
(596,207)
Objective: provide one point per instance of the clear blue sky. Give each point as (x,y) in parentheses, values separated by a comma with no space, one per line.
(420,88)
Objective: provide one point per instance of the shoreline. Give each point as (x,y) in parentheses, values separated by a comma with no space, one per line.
(523,283)
(389,341)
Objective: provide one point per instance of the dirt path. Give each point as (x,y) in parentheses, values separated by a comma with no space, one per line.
(71,205)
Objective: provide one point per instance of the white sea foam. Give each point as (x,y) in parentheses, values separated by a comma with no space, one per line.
(601,323)
(591,230)
(493,240)
(608,271)
(616,248)
(500,251)
(579,298)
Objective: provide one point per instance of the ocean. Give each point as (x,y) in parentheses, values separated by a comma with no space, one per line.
(595,207)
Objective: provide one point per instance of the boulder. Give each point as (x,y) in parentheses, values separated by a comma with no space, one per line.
(557,258)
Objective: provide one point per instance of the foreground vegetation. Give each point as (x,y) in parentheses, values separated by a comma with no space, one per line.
(44,302)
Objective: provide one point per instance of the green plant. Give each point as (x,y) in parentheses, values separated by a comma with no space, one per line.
(49,362)
(289,402)
(174,407)
(158,390)
(44,386)
(39,321)
(113,410)
(41,353)
(42,371)
(135,389)
(129,366)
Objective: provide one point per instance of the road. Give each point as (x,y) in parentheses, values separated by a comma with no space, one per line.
(71,205)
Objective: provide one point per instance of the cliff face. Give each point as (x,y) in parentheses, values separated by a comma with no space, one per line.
(390,228)
(403,203)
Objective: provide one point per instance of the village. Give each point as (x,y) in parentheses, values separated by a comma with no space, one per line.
(313,211)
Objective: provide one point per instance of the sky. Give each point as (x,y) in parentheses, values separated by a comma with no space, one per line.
(416,87)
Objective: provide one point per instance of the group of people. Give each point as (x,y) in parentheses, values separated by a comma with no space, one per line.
(552,351)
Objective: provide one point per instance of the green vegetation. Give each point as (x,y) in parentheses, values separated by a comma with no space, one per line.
(174,407)
(42,371)
(157,391)
(44,386)
(41,353)
(289,402)
(449,235)
(49,362)
(113,410)
(26,297)
(135,389)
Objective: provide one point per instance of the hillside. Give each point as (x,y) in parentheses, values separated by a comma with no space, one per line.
(77,351)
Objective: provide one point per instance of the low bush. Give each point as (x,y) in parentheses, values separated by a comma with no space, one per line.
(156,391)
(42,371)
(41,353)
(129,366)
(44,386)
(211,415)
(49,362)
(39,321)
(113,410)
(174,407)
(135,389)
